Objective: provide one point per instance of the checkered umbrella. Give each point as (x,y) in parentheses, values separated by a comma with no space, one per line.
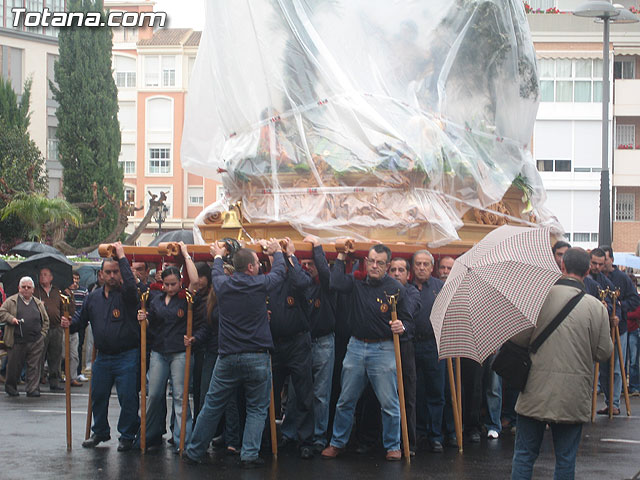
(493,292)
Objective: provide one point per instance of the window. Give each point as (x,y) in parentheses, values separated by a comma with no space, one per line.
(125,71)
(127,116)
(51,61)
(554,165)
(130,194)
(168,71)
(567,237)
(594,237)
(127,159)
(11,67)
(624,69)
(196,196)
(541,4)
(9,14)
(625,207)
(625,136)
(34,6)
(570,80)
(156,190)
(159,159)
(52,149)
(1,13)
(220,192)
(160,117)
(581,237)
(160,67)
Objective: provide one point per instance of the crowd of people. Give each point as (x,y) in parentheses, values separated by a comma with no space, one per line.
(321,336)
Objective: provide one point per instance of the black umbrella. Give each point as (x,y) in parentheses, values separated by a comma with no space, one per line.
(27,249)
(88,274)
(185,236)
(4,266)
(60,267)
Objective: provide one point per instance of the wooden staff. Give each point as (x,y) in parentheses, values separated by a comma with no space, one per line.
(614,297)
(87,429)
(67,368)
(594,398)
(459,392)
(272,424)
(454,404)
(393,299)
(143,374)
(187,368)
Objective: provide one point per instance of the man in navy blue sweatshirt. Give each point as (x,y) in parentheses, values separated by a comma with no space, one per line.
(321,311)
(243,350)
(370,354)
(629,301)
(112,310)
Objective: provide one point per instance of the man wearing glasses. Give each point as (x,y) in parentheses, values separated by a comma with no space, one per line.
(370,354)
(27,325)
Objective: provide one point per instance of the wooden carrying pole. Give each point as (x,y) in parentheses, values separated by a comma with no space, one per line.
(616,341)
(87,429)
(272,424)
(187,368)
(594,398)
(143,374)
(403,413)
(67,369)
(454,404)
(459,392)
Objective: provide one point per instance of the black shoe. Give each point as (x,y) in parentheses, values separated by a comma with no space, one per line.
(12,392)
(317,448)
(190,461)
(255,463)
(125,444)
(474,437)
(94,440)
(34,394)
(306,453)
(285,443)
(56,388)
(436,447)
(364,448)
(451,442)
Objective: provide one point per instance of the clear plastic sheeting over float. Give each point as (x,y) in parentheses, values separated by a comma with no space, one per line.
(343,117)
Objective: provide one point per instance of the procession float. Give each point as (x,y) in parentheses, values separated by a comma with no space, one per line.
(400,122)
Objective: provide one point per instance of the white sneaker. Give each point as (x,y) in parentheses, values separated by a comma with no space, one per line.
(82,378)
(492,434)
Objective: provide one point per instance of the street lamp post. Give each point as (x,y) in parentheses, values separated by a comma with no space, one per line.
(160,216)
(606,13)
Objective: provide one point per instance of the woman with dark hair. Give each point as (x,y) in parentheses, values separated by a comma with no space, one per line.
(167,319)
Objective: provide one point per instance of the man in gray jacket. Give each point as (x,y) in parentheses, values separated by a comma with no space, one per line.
(559,386)
(27,324)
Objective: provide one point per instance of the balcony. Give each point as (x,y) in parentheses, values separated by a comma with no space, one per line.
(626,98)
(626,168)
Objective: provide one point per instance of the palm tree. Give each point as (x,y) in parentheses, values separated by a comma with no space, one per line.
(40,213)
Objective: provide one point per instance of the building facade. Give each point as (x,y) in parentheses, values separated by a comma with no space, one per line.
(567,140)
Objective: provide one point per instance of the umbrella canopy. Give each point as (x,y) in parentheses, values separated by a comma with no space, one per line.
(493,292)
(626,260)
(88,274)
(27,249)
(60,267)
(4,266)
(185,236)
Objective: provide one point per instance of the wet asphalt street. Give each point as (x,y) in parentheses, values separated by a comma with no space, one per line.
(34,446)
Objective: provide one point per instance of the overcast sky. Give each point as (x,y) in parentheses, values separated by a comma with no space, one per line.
(183,13)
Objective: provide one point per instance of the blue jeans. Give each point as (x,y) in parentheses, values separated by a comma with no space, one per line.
(231,416)
(375,361)
(529,433)
(617,378)
(634,361)
(251,370)
(430,389)
(162,367)
(493,396)
(122,370)
(322,358)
